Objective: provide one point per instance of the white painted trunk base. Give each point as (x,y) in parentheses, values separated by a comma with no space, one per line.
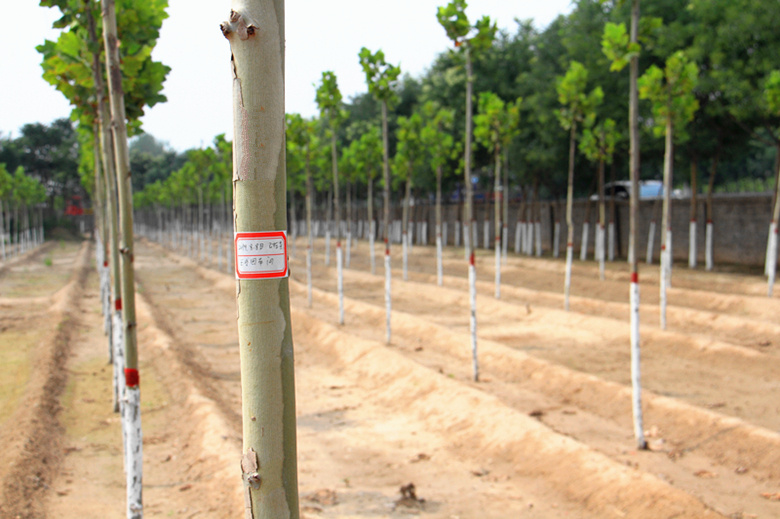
(519,228)
(772,261)
(405,255)
(340,280)
(504,242)
(327,247)
(692,244)
(557,240)
(473,317)
(567,282)
(388,296)
(457,233)
(584,248)
(498,268)
(133,452)
(662,285)
(439,273)
(708,263)
(636,386)
(308,274)
(650,242)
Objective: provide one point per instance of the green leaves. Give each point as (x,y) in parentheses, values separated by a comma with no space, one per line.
(453,19)
(328,99)
(671,92)
(381,77)
(578,106)
(437,134)
(772,92)
(598,142)
(617,47)
(496,122)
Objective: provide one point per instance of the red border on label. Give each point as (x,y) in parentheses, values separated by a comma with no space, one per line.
(273,274)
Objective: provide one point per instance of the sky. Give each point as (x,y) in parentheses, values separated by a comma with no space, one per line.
(320,36)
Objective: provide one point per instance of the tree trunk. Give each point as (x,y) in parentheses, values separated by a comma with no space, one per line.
(405,226)
(600,240)
(309,236)
(132,396)
(633,109)
(370,211)
(569,220)
(666,221)
(497,220)
(505,200)
(772,249)
(692,225)
(268,463)
(439,274)
(709,263)
(386,209)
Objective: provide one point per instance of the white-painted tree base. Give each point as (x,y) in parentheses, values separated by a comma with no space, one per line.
(584,248)
(557,240)
(439,272)
(692,244)
(650,242)
(388,295)
(636,386)
(473,317)
(340,280)
(567,281)
(133,452)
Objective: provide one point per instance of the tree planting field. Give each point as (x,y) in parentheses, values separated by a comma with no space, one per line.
(546,432)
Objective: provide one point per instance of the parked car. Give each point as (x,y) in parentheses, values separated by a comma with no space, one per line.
(621,190)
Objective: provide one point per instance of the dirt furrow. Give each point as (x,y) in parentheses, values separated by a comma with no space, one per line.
(31,432)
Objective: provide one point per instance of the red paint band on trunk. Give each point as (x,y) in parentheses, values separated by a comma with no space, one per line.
(709,221)
(635,277)
(570,244)
(118,304)
(132,378)
(105,264)
(338,244)
(471,259)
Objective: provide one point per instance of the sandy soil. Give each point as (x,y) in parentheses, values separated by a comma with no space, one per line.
(545,433)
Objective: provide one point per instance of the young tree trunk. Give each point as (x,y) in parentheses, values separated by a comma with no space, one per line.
(666,221)
(497,220)
(386,225)
(268,465)
(371,231)
(337,218)
(309,236)
(633,108)
(709,263)
(585,231)
(132,396)
(693,222)
(405,226)
(468,219)
(439,273)
(569,220)
(505,201)
(600,240)
(772,252)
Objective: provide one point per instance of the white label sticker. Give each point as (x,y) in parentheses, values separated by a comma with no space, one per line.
(261,255)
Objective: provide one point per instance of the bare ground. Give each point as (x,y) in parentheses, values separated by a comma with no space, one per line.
(545,433)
